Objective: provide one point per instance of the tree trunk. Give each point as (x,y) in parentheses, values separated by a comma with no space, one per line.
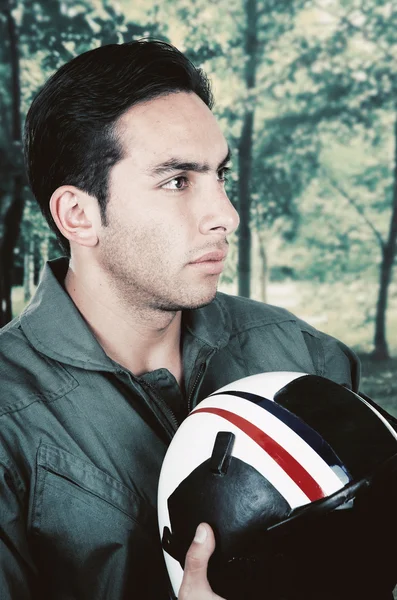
(381,350)
(263,267)
(28,271)
(14,213)
(245,150)
(42,257)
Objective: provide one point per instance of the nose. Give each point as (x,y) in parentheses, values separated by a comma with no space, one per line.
(219,215)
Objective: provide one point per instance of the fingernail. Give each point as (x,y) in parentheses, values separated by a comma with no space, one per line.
(201,534)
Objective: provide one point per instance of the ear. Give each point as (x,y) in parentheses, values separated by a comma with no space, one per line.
(76,215)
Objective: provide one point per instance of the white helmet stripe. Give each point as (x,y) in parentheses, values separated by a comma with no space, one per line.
(304,431)
(329,478)
(289,464)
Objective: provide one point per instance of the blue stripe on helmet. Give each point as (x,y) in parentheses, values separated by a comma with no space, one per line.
(305,432)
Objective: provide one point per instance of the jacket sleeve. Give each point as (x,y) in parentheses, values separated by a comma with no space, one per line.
(332,358)
(16,567)
(340,363)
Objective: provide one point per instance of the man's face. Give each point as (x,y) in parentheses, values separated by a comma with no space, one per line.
(167,206)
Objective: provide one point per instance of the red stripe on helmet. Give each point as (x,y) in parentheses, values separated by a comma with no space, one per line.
(291,466)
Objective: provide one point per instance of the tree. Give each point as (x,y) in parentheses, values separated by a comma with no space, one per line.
(43,36)
(245,149)
(235,41)
(352,78)
(14,211)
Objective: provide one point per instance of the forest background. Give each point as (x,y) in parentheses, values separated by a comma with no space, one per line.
(306,93)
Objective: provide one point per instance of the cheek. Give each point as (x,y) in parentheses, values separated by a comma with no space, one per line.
(170,229)
(163,233)
(166,241)
(157,241)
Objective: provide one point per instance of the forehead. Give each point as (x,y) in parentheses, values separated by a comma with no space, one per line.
(179,124)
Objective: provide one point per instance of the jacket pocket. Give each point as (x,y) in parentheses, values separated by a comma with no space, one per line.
(90,533)
(57,468)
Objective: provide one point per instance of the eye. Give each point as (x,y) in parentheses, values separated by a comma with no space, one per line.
(222,173)
(177,183)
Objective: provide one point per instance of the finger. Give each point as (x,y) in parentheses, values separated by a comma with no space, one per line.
(195,583)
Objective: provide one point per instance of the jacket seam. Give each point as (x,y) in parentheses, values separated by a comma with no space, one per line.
(46,457)
(255,324)
(36,398)
(15,478)
(42,474)
(49,351)
(318,351)
(241,353)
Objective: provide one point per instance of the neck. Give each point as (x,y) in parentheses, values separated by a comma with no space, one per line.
(141,339)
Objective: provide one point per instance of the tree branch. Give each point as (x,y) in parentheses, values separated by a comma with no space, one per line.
(355,204)
(344,19)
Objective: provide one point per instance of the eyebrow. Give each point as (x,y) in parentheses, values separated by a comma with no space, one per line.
(176,164)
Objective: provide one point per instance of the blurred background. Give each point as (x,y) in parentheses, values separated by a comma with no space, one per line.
(306,93)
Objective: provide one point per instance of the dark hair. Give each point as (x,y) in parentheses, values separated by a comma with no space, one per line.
(70,136)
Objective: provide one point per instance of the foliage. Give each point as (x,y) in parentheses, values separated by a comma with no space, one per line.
(48,34)
(322,177)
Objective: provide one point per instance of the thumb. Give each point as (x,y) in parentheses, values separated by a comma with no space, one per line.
(195,583)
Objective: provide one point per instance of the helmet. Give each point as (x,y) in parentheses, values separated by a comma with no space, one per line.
(297,476)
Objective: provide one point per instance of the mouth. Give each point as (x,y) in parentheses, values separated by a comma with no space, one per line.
(215,256)
(211,263)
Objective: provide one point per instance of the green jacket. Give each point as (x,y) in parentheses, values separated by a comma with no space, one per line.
(82,439)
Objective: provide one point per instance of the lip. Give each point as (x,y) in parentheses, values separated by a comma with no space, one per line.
(211,263)
(216,256)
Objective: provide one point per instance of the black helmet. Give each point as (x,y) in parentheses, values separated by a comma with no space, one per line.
(297,476)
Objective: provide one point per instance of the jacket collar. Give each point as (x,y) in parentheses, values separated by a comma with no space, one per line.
(55,327)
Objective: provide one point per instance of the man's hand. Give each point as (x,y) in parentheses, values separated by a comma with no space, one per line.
(195,584)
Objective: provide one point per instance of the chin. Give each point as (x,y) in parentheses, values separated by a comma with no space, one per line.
(200,304)
(188,303)
(202,301)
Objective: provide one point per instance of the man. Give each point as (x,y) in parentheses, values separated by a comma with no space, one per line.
(121,340)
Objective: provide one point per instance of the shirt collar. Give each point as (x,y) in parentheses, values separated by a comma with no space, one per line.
(55,327)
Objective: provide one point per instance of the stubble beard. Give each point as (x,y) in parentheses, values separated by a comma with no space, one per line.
(170,306)
(148,294)
(149,291)
(162,299)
